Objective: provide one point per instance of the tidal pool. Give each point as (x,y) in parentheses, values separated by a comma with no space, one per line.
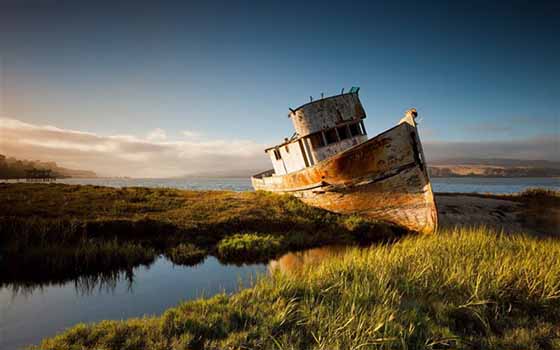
(32,312)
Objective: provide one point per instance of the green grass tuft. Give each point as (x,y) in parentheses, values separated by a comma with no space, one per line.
(245,247)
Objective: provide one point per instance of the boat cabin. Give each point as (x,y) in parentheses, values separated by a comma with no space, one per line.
(323,128)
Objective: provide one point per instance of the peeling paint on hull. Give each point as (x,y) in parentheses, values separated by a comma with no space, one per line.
(384,178)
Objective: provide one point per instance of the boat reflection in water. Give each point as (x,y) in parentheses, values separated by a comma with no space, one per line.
(293,263)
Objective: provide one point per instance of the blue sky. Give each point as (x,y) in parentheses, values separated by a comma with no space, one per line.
(476,71)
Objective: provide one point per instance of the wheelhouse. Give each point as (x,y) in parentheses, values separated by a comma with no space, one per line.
(323,128)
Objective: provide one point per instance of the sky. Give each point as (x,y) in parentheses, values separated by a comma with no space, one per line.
(166,88)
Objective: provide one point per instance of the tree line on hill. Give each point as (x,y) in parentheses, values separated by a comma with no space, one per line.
(12,168)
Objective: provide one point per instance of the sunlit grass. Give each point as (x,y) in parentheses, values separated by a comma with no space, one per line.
(466,289)
(471,289)
(34,214)
(249,247)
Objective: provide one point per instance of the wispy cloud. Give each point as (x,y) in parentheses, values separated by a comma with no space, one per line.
(191,134)
(489,128)
(155,155)
(157,135)
(128,155)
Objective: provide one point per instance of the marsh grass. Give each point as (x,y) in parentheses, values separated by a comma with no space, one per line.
(249,247)
(35,214)
(463,289)
(541,210)
(542,195)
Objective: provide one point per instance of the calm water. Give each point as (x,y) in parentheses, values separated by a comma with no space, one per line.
(26,318)
(468,184)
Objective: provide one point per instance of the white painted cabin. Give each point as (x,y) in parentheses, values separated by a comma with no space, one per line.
(323,128)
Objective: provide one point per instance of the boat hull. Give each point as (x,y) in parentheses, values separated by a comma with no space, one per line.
(384,178)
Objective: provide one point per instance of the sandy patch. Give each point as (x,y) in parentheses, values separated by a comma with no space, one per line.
(474,210)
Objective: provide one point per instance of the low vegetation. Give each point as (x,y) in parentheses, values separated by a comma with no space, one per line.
(541,209)
(249,247)
(465,289)
(35,214)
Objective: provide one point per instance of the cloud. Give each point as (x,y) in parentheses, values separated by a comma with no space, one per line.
(489,128)
(157,135)
(545,147)
(128,155)
(191,134)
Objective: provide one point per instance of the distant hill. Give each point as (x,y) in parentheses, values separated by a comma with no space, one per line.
(12,168)
(503,162)
(494,168)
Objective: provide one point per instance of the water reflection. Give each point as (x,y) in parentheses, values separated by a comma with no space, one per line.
(144,290)
(83,285)
(23,273)
(293,263)
(148,288)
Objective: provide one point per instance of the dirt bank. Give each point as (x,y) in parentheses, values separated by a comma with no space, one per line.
(510,213)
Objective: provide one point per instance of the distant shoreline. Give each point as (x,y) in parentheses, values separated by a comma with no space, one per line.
(248,177)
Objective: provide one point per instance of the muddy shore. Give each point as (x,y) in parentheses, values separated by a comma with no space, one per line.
(508,213)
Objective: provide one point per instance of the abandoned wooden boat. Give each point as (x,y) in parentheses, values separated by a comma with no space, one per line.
(330,163)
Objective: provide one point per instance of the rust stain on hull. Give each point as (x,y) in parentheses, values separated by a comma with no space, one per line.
(384,178)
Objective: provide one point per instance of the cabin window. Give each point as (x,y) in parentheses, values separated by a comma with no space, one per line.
(331,136)
(317,140)
(355,129)
(277,154)
(343,132)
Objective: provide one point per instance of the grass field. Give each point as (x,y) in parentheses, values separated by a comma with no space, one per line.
(457,290)
(36,214)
